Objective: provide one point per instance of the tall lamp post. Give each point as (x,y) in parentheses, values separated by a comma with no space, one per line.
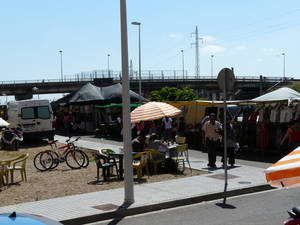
(108,65)
(283,54)
(61,67)
(182,53)
(212,67)
(140,76)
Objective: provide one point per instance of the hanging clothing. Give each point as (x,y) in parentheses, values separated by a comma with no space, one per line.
(297,114)
(286,115)
(264,136)
(261,115)
(253,117)
(273,115)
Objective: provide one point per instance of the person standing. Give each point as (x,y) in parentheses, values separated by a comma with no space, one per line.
(181,127)
(293,135)
(140,127)
(212,130)
(167,121)
(231,141)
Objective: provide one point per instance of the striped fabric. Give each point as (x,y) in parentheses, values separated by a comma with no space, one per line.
(285,172)
(152,111)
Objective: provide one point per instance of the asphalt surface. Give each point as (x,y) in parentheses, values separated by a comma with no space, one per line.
(264,208)
(245,157)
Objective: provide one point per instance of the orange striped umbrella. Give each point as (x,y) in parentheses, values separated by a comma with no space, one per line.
(152,111)
(285,172)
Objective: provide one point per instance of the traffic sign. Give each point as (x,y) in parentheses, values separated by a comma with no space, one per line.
(226,75)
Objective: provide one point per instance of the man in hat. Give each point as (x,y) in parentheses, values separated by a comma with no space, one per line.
(212,130)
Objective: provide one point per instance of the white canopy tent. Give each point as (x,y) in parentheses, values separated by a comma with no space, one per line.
(281,94)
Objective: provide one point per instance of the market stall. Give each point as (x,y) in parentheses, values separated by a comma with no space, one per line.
(80,104)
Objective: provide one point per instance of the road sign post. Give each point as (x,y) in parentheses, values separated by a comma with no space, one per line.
(226,83)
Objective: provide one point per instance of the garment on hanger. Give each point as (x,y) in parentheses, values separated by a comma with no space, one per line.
(260,115)
(253,117)
(297,113)
(286,115)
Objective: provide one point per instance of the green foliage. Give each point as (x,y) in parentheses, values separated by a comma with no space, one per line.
(173,94)
(295,86)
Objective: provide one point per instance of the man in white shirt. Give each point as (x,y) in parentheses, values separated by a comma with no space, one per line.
(167,121)
(212,130)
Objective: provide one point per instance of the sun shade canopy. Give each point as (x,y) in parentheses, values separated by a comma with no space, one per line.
(152,111)
(285,172)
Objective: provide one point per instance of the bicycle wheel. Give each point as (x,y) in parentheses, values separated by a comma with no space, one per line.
(75,159)
(55,159)
(86,159)
(43,161)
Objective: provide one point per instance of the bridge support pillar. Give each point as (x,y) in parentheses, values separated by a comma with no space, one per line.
(260,85)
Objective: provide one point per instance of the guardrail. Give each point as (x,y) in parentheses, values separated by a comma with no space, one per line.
(146,75)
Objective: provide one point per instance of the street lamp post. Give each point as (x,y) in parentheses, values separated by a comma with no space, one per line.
(212,67)
(140,76)
(182,63)
(283,54)
(61,67)
(108,65)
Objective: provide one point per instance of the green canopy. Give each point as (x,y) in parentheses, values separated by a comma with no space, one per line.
(117,105)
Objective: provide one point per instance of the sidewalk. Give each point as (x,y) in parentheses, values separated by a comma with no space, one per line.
(90,207)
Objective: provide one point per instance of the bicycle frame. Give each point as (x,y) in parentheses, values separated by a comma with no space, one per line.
(69,146)
(57,149)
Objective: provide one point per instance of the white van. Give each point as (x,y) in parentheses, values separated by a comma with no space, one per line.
(35,116)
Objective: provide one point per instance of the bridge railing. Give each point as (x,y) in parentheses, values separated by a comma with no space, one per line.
(145,75)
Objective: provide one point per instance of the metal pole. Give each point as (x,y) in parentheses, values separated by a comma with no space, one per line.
(140,72)
(128,175)
(108,65)
(283,65)
(182,63)
(140,75)
(61,67)
(211,61)
(225,137)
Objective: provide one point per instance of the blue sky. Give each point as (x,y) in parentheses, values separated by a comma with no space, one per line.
(247,35)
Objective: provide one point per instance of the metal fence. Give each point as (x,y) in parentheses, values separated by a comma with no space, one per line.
(145,75)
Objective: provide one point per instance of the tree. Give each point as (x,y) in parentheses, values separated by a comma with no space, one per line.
(295,86)
(173,94)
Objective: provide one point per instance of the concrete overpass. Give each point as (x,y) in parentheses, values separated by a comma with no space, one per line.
(245,87)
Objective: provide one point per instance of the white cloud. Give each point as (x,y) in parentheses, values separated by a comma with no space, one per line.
(259,60)
(208,38)
(173,35)
(213,49)
(268,50)
(241,48)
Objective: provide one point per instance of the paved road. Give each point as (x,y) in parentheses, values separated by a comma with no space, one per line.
(263,208)
(245,157)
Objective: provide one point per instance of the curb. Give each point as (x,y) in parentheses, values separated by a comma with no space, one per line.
(123,211)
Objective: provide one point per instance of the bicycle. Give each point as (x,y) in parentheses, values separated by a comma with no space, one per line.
(49,159)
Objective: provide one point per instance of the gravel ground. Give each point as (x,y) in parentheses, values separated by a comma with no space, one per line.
(64,181)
